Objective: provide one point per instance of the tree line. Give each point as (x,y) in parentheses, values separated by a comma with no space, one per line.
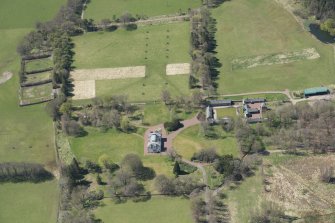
(23,172)
(204,62)
(55,36)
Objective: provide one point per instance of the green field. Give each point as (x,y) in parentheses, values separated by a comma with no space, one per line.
(103,9)
(130,48)
(26,134)
(158,209)
(189,141)
(26,202)
(249,28)
(21,14)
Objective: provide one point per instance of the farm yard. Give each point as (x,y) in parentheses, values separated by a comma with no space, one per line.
(250,29)
(152,46)
(105,9)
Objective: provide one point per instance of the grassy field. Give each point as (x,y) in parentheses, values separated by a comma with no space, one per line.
(166,209)
(161,45)
(22,14)
(26,133)
(245,198)
(188,142)
(248,28)
(26,202)
(102,9)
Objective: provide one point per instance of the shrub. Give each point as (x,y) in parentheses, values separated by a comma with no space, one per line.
(174,125)
(205,155)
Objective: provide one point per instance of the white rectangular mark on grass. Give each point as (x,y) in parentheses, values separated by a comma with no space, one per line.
(108,73)
(83,89)
(178,68)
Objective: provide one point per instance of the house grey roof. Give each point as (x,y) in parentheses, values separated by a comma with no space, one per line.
(220,102)
(154,142)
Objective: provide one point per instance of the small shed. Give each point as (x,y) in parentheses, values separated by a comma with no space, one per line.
(316,91)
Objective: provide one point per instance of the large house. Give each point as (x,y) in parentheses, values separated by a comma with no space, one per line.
(253,109)
(154,142)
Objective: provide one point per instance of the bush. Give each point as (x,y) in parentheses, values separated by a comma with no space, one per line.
(92,167)
(205,155)
(174,125)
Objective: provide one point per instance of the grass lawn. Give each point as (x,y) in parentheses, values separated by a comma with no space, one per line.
(158,209)
(33,78)
(27,202)
(102,9)
(188,142)
(226,112)
(159,113)
(244,198)
(22,14)
(160,44)
(117,145)
(248,28)
(38,64)
(36,92)
(268,97)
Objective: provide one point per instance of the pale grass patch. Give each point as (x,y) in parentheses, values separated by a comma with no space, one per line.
(108,73)
(5,77)
(278,58)
(84,89)
(178,68)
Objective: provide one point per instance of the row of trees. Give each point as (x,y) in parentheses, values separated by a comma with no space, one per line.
(204,62)
(23,172)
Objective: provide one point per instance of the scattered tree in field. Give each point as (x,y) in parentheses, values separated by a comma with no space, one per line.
(166,96)
(205,155)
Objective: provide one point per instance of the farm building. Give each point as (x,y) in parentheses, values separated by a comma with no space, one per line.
(154,142)
(253,109)
(315,91)
(219,103)
(210,114)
